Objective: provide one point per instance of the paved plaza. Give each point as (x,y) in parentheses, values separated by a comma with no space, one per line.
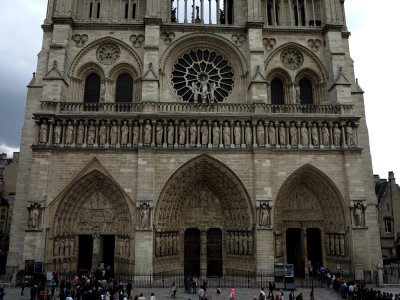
(241,293)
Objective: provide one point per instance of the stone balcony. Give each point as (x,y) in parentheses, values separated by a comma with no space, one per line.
(80,126)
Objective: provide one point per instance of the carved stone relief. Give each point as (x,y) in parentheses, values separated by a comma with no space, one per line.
(240,243)
(292,59)
(264,214)
(314,44)
(137,40)
(238,39)
(269,43)
(108,54)
(358,213)
(35,213)
(145,216)
(80,39)
(167,37)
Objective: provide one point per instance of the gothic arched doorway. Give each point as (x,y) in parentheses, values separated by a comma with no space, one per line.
(310,222)
(92,228)
(204,210)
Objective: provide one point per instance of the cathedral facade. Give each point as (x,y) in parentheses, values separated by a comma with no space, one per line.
(195,136)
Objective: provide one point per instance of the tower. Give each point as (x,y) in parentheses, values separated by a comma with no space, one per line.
(196,136)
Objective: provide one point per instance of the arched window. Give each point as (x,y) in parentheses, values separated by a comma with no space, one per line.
(272,12)
(299,14)
(92,88)
(306,91)
(124,89)
(277,93)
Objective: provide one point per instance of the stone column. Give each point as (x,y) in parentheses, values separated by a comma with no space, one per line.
(203,252)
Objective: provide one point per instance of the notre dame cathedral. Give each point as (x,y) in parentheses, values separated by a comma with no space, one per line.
(196,136)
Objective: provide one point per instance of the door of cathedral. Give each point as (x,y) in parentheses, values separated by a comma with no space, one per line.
(108,247)
(294,250)
(214,252)
(314,247)
(192,252)
(85,252)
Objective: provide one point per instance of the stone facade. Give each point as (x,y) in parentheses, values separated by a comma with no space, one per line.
(242,134)
(388,193)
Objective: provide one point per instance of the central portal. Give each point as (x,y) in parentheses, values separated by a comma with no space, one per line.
(192,252)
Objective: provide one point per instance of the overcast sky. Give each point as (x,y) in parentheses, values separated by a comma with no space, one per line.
(373,42)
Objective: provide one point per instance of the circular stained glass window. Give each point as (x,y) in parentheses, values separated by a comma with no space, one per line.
(202,76)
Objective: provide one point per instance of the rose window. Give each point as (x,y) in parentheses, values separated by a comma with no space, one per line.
(292,59)
(108,54)
(202,76)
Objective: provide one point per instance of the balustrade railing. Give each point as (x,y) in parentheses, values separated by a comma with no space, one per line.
(176,107)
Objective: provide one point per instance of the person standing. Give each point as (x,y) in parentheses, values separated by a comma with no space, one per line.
(202,293)
(173,290)
(271,290)
(22,285)
(2,292)
(312,294)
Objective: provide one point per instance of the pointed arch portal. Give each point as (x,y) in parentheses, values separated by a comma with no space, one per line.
(310,221)
(92,225)
(206,212)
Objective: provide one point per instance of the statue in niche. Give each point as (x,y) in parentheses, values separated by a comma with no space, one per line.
(96,242)
(182,133)
(80,133)
(57,133)
(304,135)
(245,245)
(325,135)
(204,133)
(103,133)
(226,131)
(328,249)
(314,135)
(135,133)
(271,134)
(358,214)
(145,216)
(170,133)
(159,133)
(69,133)
(337,133)
(265,219)
(91,133)
(293,135)
(342,250)
(34,213)
(203,88)
(278,246)
(337,245)
(237,133)
(282,134)
(147,133)
(248,133)
(251,244)
(158,244)
(349,135)
(124,133)
(332,244)
(114,133)
(195,91)
(260,133)
(213,88)
(43,132)
(215,132)
(162,248)
(193,133)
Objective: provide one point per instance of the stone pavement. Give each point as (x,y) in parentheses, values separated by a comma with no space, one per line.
(241,293)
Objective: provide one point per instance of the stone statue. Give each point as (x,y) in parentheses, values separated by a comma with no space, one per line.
(349,135)
(282,134)
(96,242)
(304,135)
(34,212)
(342,249)
(43,132)
(91,133)
(213,87)
(124,133)
(226,134)
(114,133)
(203,89)
(271,134)
(358,215)
(237,133)
(135,133)
(69,133)
(215,132)
(145,216)
(264,215)
(170,133)
(57,133)
(147,133)
(332,244)
(260,133)
(102,133)
(196,92)
(325,135)
(248,134)
(293,135)
(297,89)
(337,133)
(193,133)
(204,133)
(182,133)
(159,133)
(80,133)
(314,135)
(278,246)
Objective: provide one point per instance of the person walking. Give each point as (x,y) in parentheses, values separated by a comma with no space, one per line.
(271,290)
(312,294)
(173,290)
(232,294)
(201,293)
